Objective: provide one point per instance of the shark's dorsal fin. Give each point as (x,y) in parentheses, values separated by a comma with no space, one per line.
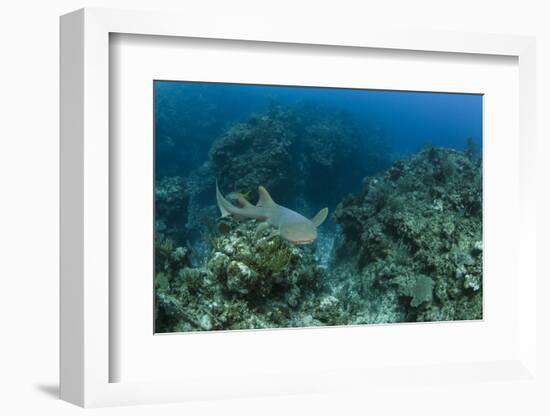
(265,199)
(320,217)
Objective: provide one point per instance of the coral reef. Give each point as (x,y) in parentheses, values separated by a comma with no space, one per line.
(251,279)
(171,200)
(336,153)
(332,153)
(416,231)
(257,152)
(297,153)
(410,249)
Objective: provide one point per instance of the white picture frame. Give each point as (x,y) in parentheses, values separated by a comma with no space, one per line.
(86,356)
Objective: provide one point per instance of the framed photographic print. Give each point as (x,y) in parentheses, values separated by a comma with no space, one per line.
(267,213)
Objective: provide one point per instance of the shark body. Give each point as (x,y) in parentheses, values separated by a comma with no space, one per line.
(289,224)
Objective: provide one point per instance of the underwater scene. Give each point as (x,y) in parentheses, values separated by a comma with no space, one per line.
(282,206)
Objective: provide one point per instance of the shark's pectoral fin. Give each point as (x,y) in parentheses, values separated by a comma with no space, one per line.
(274,233)
(262,227)
(320,217)
(224,212)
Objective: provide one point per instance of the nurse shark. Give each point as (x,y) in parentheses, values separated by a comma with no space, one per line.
(287,223)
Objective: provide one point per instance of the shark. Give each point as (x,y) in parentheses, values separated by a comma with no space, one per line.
(287,223)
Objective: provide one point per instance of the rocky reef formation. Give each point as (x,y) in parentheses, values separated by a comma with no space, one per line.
(336,153)
(296,153)
(409,249)
(415,233)
(171,201)
(256,152)
(250,280)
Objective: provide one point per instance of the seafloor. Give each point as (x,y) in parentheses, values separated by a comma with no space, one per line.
(404,245)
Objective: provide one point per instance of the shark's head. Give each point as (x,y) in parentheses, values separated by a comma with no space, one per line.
(300,232)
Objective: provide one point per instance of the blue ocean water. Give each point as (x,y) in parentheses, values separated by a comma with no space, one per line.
(408,120)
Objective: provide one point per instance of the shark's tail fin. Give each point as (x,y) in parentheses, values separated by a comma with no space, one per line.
(222,202)
(246,211)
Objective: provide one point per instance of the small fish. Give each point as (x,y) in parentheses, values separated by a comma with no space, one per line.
(288,224)
(246,195)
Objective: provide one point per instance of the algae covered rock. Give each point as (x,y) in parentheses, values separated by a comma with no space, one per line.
(171,200)
(250,280)
(335,155)
(409,249)
(417,230)
(257,152)
(298,152)
(262,266)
